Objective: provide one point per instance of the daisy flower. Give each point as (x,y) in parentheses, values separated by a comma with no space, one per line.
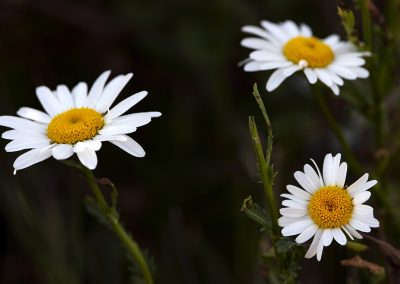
(289,48)
(324,208)
(76,122)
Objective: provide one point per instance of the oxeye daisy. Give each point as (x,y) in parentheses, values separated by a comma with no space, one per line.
(324,208)
(76,122)
(289,48)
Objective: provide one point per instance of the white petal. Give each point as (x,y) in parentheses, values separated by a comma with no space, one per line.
(32,157)
(97,89)
(80,94)
(79,147)
(34,114)
(64,96)
(335,167)
(334,77)
(94,145)
(290,70)
(341,175)
(62,151)
(285,221)
(20,134)
(353,232)
(126,104)
(274,65)
(312,250)
(364,187)
(360,198)
(305,181)
(310,172)
(327,169)
(339,236)
(363,209)
(360,226)
(342,71)
(352,189)
(296,228)
(293,212)
(327,237)
(335,89)
(305,30)
(103,138)
(332,39)
(292,197)
(323,76)
(320,249)
(367,219)
(88,158)
(256,31)
(298,192)
(265,55)
(128,123)
(23,124)
(257,43)
(360,72)
(349,59)
(111,130)
(131,147)
(49,101)
(291,28)
(294,204)
(275,31)
(311,76)
(111,92)
(28,143)
(307,234)
(275,79)
(347,232)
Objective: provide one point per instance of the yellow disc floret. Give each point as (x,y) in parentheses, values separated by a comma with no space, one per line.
(330,207)
(316,53)
(74,125)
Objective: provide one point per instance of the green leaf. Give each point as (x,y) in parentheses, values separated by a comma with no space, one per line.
(356,246)
(347,17)
(256,213)
(285,244)
(260,103)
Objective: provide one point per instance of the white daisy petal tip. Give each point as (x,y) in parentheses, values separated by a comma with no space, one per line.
(329,59)
(76,121)
(332,209)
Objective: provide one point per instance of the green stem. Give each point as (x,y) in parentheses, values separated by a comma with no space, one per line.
(337,130)
(116,226)
(266,178)
(366,22)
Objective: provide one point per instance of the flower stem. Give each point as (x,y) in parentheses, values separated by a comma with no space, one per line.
(117,227)
(337,130)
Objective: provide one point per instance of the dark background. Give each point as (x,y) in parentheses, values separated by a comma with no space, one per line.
(182,201)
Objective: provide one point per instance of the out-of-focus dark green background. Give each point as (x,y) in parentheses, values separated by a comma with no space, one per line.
(182,201)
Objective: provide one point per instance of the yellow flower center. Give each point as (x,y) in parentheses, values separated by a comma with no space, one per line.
(330,207)
(315,52)
(74,125)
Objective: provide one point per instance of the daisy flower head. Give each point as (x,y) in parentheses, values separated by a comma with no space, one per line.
(324,208)
(288,48)
(77,122)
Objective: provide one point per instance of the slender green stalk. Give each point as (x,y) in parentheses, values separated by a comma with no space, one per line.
(337,130)
(366,20)
(116,226)
(265,176)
